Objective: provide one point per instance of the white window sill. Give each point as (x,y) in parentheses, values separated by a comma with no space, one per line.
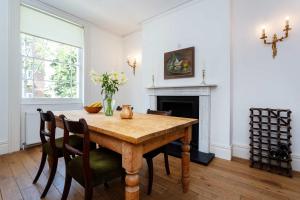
(49,101)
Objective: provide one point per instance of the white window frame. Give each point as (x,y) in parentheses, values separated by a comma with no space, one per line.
(50,101)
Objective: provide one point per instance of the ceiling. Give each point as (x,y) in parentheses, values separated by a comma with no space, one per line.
(118,16)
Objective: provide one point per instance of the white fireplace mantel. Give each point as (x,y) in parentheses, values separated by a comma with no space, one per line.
(204,93)
(195,90)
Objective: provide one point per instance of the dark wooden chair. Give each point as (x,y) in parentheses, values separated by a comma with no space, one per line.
(150,155)
(88,167)
(51,146)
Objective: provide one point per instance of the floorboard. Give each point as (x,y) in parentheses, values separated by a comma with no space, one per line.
(224,180)
(8,185)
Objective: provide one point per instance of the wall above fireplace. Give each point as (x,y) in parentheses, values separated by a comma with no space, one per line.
(211,39)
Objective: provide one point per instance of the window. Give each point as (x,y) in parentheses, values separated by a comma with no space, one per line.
(50,69)
(52,51)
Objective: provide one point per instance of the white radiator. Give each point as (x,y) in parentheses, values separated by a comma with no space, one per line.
(32,128)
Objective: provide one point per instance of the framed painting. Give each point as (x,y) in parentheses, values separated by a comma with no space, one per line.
(179,63)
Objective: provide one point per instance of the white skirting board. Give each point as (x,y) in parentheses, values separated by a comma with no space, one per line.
(221,151)
(3,147)
(242,151)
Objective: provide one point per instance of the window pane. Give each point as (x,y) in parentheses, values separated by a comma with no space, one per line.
(38,67)
(42,89)
(50,69)
(65,80)
(49,50)
(42,70)
(27,88)
(34,47)
(64,90)
(27,68)
(64,54)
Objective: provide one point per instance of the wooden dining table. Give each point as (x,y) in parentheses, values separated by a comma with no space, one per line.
(132,138)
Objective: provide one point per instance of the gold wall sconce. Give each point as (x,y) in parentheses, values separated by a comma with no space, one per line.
(132,63)
(275,38)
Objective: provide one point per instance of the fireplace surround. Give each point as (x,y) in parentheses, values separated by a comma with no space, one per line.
(187,101)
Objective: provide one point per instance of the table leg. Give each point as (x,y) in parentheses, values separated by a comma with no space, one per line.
(185,160)
(132,163)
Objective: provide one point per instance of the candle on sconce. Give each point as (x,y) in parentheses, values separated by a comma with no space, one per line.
(263,30)
(287,21)
(263,35)
(275,39)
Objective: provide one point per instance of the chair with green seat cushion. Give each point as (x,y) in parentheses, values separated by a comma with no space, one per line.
(51,146)
(88,167)
(74,141)
(104,164)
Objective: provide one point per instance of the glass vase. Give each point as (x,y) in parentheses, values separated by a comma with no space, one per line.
(109,104)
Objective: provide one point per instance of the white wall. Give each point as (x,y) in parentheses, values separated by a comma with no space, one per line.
(258,79)
(4,76)
(9,78)
(206,26)
(104,53)
(133,92)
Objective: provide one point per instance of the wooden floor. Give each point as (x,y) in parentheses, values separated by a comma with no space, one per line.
(228,180)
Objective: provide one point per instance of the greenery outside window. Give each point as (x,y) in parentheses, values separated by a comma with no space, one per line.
(50,69)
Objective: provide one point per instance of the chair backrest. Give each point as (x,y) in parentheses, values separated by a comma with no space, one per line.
(156,112)
(47,118)
(79,128)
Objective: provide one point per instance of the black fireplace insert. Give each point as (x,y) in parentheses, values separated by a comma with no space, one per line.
(185,106)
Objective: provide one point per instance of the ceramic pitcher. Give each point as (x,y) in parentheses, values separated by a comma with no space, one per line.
(126,112)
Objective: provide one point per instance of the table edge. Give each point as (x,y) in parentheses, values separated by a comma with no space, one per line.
(143,138)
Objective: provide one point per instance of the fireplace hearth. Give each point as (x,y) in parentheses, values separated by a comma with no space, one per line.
(185,106)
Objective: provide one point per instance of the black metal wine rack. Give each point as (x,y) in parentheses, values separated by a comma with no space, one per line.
(270,140)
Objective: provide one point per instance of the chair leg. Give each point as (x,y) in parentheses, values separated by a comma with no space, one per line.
(51,177)
(88,194)
(42,165)
(68,181)
(106,185)
(167,163)
(150,176)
